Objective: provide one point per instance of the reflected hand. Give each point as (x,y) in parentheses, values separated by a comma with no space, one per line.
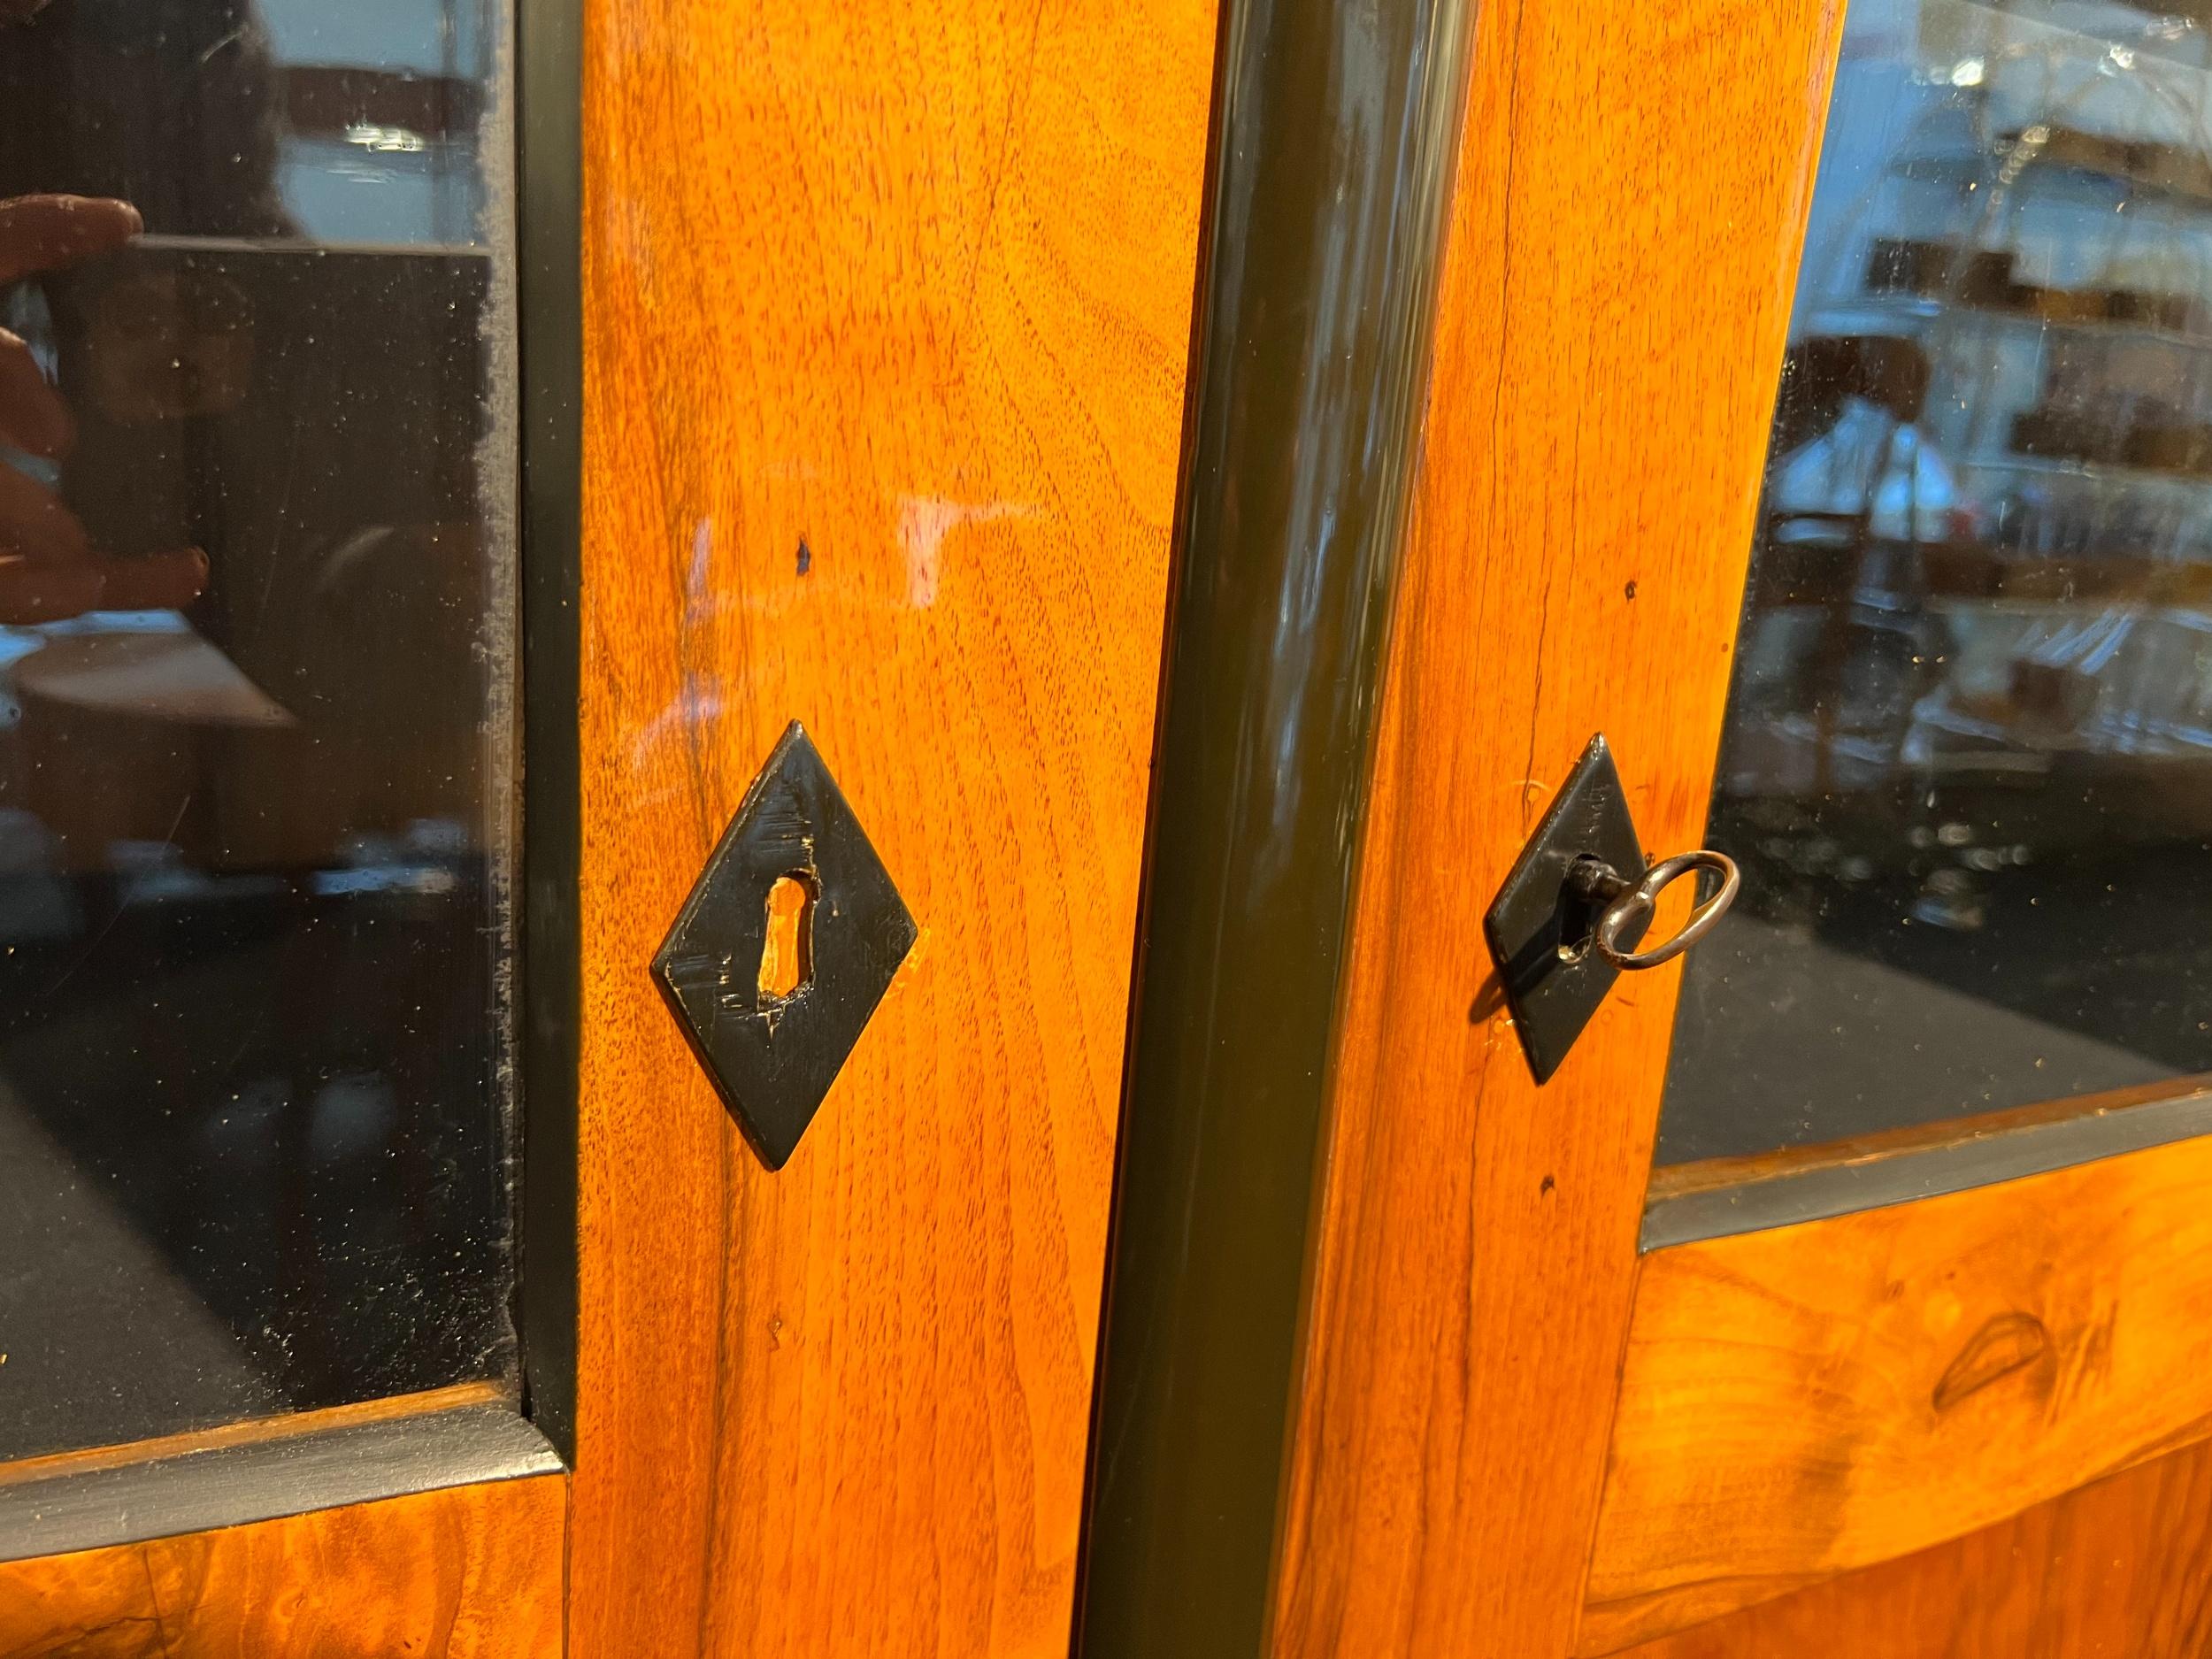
(48,568)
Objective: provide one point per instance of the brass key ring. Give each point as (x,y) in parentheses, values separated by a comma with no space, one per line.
(1627,903)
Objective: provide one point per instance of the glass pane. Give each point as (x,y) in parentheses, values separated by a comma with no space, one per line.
(1968,759)
(255,749)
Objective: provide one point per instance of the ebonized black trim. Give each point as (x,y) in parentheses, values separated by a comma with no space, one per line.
(230,1485)
(1335,127)
(549,303)
(1900,1178)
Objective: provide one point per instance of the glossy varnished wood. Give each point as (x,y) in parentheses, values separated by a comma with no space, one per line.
(470,1572)
(2117,1570)
(887,314)
(1630,203)
(1803,1401)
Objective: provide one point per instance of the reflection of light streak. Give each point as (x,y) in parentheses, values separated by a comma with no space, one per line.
(924,523)
(386,140)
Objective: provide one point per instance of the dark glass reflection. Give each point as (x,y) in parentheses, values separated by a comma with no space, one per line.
(254,756)
(1968,760)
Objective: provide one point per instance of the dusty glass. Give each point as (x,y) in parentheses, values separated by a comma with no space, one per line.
(255,744)
(1968,758)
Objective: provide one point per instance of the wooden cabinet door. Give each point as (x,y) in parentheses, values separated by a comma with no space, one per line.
(886,315)
(1199,476)
(1402,1352)
(1896,1350)
(883,317)
(262,1384)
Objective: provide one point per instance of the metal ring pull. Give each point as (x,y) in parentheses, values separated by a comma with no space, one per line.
(1628,903)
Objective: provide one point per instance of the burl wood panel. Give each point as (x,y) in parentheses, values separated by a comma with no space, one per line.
(1800,1401)
(471,1572)
(2119,1569)
(887,311)
(1629,207)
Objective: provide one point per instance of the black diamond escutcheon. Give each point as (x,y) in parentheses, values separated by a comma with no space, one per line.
(1552,976)
(773,1035)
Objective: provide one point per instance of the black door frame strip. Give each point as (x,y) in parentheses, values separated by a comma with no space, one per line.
(1328,184)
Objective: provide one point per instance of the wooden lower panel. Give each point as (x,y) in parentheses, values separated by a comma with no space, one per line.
(1631,198)
(888,313)
(2119,1569)
(470,1572)
(1805,1400)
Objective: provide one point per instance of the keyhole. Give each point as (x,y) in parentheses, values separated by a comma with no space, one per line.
(787,954)
(1581,901)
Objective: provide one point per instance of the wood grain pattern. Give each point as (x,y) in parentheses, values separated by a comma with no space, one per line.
(2120,1568)
(889,313)
(1613,311)
(1811,1399)
(470,1572)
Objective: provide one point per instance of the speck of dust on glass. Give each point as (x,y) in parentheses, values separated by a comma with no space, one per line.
(1967,764)
(256,733)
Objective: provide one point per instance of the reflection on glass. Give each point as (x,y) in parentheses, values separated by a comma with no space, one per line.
(1968,759)
(254,758)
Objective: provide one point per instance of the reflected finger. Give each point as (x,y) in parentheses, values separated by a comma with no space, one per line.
(45,232)
(152,581)
(34,590)
(47,590)
(32,415)
(34,522)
